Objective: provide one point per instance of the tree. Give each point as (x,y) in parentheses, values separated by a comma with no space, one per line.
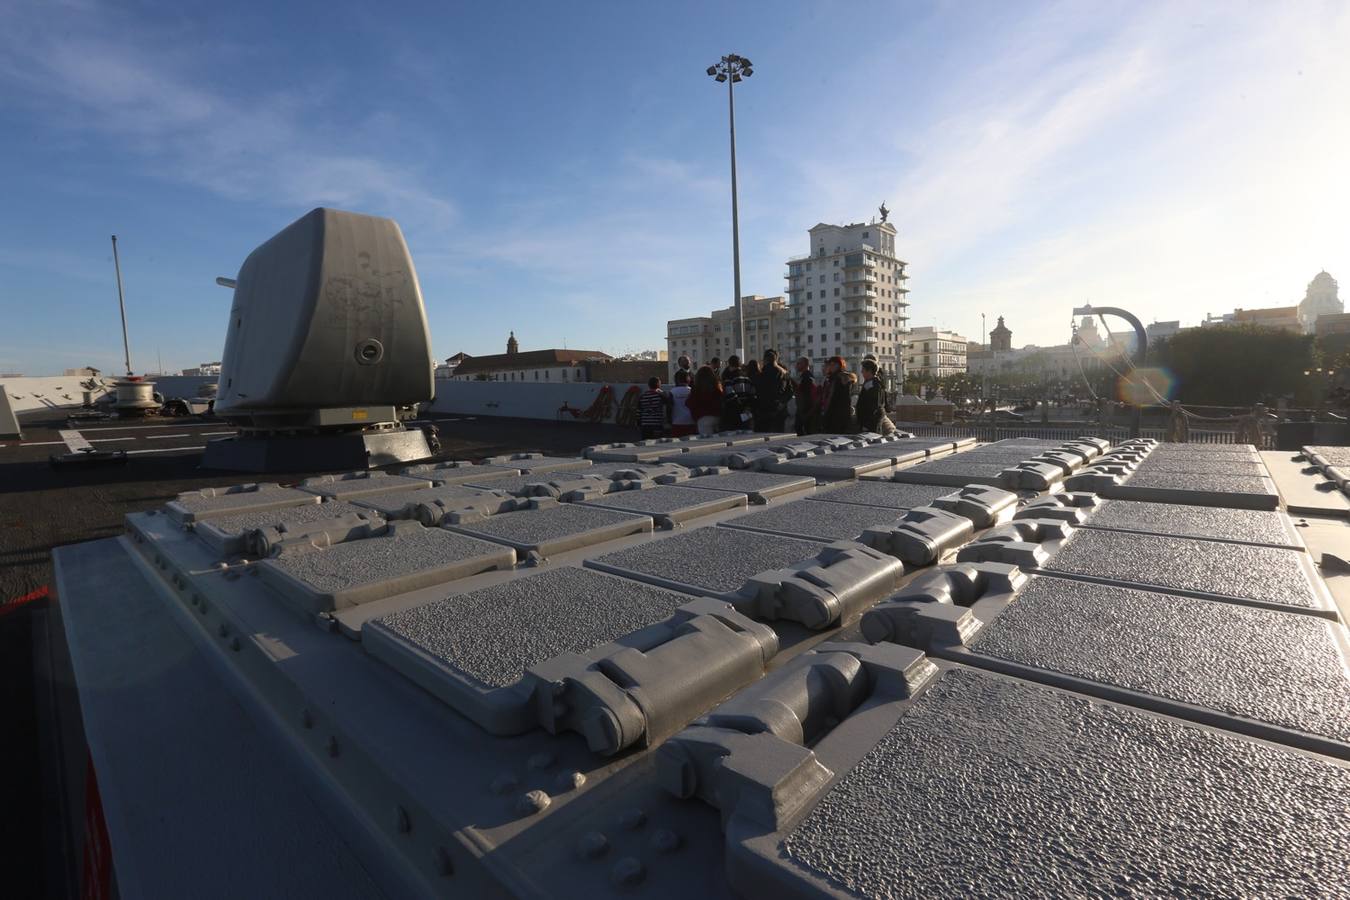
(1236,365)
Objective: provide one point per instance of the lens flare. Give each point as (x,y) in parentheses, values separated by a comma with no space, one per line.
(1145,386)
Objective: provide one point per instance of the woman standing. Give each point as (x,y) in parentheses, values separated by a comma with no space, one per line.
(872,401)
(705,400)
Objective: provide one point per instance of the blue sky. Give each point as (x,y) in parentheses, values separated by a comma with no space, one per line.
(561,169)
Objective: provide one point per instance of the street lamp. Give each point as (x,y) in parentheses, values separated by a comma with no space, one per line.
(731,69)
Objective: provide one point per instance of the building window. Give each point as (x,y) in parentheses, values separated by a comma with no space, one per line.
(836,307)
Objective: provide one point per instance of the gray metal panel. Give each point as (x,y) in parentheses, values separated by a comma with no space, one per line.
(458,472)
(186,776)
(1240,571)
(519,484)
(1287,670)
(1135,800)
(714,561)
(9,422)
(815,520)
(1190,464)
(1254,526)
(558,528)
(403,504)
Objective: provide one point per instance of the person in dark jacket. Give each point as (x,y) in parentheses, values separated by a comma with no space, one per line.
(773,390)
(836,406)
(805,390)
(738,397)
(871,399)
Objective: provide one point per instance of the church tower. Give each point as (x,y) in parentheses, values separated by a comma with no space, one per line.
(1320,300)
(512,345)
(1000,337)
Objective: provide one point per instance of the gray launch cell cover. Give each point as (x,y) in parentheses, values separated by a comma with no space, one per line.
(814,520)
(671,504)
(944,803)
(458,472)
(430,505)
(213,503)
(1240,571)
(522,484)
(563,649)
(1190,464)
(714,561)
(830,467)
(1254,526)
(894,451)
(406,558)
(883,494)
(361,484)
(553,529)
(760,487)
(228,535)
(1258,664)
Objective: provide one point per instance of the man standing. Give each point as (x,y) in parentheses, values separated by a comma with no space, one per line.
(773,390)
(652,409)
(806,397)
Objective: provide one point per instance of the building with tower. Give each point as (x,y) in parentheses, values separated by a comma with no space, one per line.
(1321,299)
(847,296)
(530,365)
(1000,338)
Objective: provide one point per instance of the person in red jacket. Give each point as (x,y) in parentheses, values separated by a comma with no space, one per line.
(705,400)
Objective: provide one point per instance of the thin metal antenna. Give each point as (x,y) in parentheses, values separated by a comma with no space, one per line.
(121,305)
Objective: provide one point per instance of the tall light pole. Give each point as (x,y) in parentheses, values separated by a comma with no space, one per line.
(731,69)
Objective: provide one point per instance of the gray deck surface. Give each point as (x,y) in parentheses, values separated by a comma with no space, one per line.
(751,483)
(1177,481)
(668,499)
(374,483)
(296,515)
(931,810)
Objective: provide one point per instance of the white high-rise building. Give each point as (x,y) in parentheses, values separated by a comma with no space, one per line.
(847,296)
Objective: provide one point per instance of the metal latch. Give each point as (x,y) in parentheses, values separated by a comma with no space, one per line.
(922,536)
(1068,506)
(1026,543)
(830,588)
(934,609)
(985,506)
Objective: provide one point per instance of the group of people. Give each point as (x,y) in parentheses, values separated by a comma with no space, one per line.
(762,395)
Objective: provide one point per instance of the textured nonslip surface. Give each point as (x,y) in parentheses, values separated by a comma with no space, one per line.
(994,788)
(240,523)
(712,559)
(1234,570)
(890,495)
(220,502)
(393,504)
(696,458)
(532,527)
(750,482)
(494,634)
(355,563)
(1257,663)
(816,520)
(355,487)
(1255,525)
(830,465)
(1334,456)
(963,464)
(663,499)
(1203,465)
(1199,481)
(1213,450)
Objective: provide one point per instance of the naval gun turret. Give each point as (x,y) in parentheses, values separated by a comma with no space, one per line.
(327,348)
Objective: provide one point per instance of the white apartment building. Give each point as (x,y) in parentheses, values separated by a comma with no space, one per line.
(847,296)
(929,351)
(767,327)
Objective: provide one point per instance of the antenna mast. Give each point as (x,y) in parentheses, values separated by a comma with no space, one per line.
(121,305)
